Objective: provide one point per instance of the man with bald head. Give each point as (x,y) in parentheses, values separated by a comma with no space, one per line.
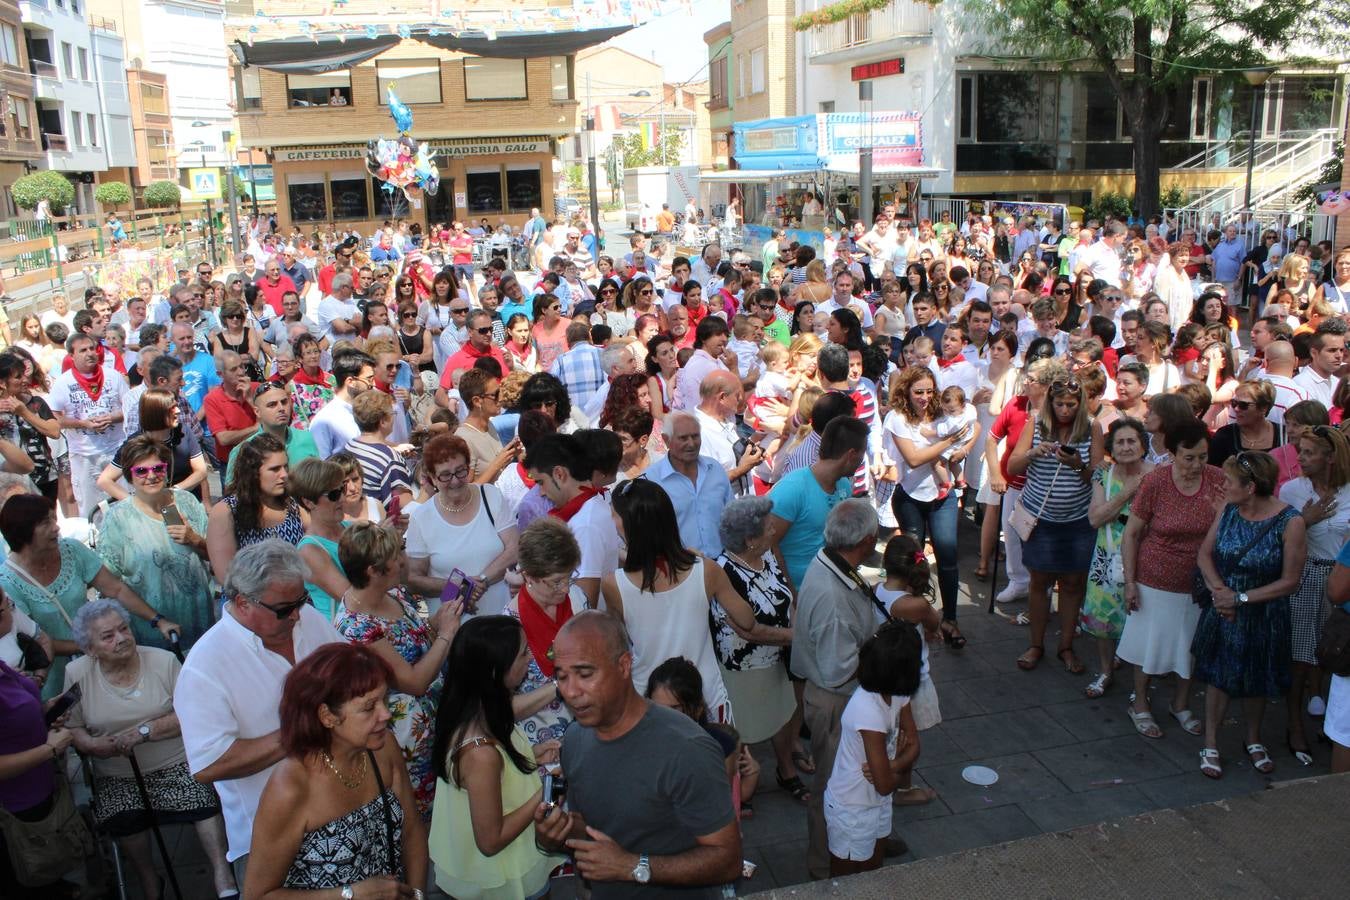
(648,801)
(1279,371)
(721,397)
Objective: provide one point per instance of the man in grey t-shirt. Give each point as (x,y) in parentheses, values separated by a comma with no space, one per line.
(648,802)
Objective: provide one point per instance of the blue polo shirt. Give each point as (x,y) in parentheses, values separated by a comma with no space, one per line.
(199,376)
(798,499)
(698,507)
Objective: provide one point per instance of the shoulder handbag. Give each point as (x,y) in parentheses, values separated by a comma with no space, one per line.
(1333,648)
(1200,592)
(1021,519)
(41,852)
(394,850)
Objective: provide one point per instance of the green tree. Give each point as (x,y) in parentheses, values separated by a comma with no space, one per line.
(162,194)
(241,191)
(666,152)
(1145,48)
(113,193)
(55,188)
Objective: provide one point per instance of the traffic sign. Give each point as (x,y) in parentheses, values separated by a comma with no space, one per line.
(204,183)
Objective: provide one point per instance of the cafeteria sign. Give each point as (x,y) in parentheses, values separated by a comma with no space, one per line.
(447,148)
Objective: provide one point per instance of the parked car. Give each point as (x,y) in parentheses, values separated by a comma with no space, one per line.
(567,206)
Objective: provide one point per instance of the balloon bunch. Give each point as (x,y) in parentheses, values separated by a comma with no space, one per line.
(402,163)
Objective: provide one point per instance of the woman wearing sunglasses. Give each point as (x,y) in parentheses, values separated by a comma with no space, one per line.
(550,329)
(318,486)
(237,337)
(1249,429)
(256,505)
(1055,454)
(639,299)
(610,309)
(154,540)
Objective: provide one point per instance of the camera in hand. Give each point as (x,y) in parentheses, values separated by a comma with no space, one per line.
(555,788)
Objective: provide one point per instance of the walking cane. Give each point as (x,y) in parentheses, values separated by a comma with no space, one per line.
(993,568)
(154,824)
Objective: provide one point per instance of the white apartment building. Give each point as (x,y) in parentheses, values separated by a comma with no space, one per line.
(79,89)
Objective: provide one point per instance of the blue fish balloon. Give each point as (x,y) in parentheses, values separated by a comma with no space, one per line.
(403,117)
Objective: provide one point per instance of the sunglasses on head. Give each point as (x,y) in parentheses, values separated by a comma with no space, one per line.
(1070,386)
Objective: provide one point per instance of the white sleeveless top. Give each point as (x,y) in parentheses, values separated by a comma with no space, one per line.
(674,623)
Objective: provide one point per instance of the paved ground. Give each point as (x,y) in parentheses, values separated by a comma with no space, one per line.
(1063,761)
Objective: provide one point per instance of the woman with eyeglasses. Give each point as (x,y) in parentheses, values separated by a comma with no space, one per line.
(1251,561)
(188,468)
(1250,428)
(1322,496)
(377,613)
(49,577)
(236,337)
(1055,455)
(256,505)
(311,387)
(549,554)
(467,528)
(318,487)
(550,329)
(154,539)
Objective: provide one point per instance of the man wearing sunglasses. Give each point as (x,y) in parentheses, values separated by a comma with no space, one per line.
(229,690)
(273,409)
(342,256)
(478,345)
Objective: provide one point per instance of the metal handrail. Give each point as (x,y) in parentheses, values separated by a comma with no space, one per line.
(1298,160)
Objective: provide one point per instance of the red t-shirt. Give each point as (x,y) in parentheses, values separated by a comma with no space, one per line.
(462,246)
(1111,361)
(326,279)
(225,413)
(272,292)
(465,359)
(1009,425)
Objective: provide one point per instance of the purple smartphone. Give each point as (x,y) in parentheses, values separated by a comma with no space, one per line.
(458,587)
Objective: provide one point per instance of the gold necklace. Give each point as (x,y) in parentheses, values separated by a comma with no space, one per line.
(349,785)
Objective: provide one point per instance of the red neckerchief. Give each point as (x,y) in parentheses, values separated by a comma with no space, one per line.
(520,355)
(573,506)
(92,384)
(541,629)
(944,363)
(524,478)
(302,377)
(386,388)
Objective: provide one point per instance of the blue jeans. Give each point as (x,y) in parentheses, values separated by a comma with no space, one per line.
(921,519)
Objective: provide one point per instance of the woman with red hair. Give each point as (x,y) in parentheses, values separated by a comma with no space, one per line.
(338,812)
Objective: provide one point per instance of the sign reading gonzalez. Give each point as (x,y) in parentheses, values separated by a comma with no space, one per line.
(896,137)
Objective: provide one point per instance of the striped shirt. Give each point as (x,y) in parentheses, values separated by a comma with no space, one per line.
(1068,494)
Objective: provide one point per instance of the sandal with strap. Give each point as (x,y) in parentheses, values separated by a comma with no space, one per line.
(1144,723)
(1189,721)
(1026,662)
(1097,687)
(793,786)
(951,636)
(804,762)
(1073,665)
(1209,763)
(1261,760)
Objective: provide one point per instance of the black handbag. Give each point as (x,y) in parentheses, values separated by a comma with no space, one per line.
(1333,648)
(1200,592)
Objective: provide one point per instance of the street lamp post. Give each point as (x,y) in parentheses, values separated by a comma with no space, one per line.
(865,155)
(1256,77)
(232,194)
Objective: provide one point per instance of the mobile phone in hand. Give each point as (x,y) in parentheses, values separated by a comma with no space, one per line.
(395,506)
(171,515)
(459,587)
(62,705)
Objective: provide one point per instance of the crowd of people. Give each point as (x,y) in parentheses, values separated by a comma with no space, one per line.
(411,571)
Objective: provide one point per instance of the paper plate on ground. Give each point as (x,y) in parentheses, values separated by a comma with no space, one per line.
(981,775)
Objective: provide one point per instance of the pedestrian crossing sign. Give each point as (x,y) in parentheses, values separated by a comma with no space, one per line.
(204,184)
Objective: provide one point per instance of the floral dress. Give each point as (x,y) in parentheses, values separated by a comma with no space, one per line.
(414,718)
(169,576)
(307,398)
(1248,657)
(1104,605)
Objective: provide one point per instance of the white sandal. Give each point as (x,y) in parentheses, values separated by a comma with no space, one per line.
(1209,763)
(1143,722)
(1260,757)
(1189,721)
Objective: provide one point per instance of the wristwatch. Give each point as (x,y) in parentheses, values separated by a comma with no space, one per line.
(144,731)
(1242,598)
(154,622)
(642,872)
(347,892)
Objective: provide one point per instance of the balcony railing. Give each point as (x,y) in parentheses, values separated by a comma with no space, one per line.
(902,19)
(43,69)
(55,142)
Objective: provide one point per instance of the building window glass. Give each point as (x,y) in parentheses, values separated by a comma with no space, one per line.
(717,84)
(494,79)
(250,89)
(9,45)
(324,89)
(524,189)
(350,198)
(1309,103)
(152,99)
(84,64)
(757,71)
(414,80)
(306,195)
(483,187)
(23,129)
(92,126)
(561,67)
(66,57)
